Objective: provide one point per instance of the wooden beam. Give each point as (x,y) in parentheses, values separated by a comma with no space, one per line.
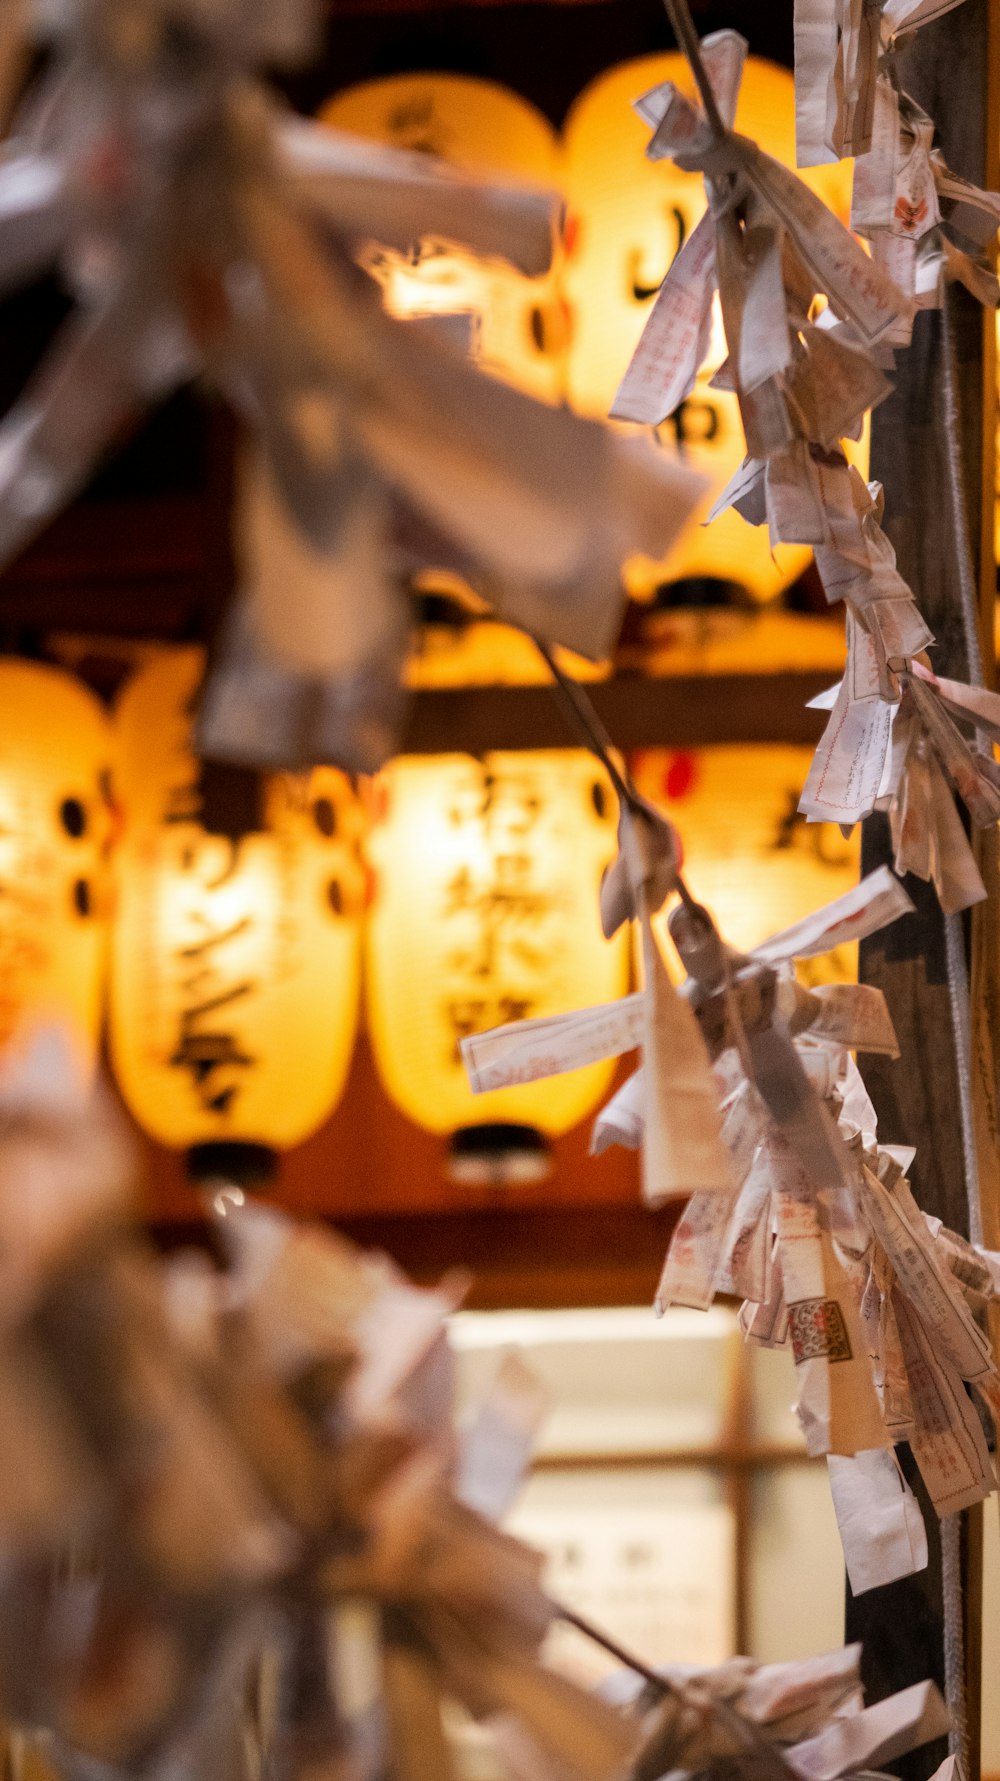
(538,1258)
(638,711)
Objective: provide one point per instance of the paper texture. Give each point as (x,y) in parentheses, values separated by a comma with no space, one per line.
(527,1050)
(881,1527)
(227,249)
(875,1736)
(876,901)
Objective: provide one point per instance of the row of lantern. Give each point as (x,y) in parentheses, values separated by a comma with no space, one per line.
(233,967)
(463,891)
(568,336)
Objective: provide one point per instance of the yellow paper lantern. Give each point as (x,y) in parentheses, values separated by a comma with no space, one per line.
(748,855)
(56,748)
(236,963)
(627,218)
(478,127)
(485,911)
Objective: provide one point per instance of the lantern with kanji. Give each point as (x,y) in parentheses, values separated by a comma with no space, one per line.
(56,748)
(485,910)
(750,856)
(627,218)
(478,127)
(236,959)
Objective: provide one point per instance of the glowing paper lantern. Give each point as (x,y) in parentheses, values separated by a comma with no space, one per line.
(627,218)
(236,963)
(479,127)
(748,855)
(56,748)
(486,910)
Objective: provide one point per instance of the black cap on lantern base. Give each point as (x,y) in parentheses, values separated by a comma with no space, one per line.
(500,1154)
(238,1164)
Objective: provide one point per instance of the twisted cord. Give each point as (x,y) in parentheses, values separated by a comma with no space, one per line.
(954,1638)
(957,968)
(959,1000)
(967,589)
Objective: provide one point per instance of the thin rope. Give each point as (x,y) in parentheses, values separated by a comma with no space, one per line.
(954,1638)
(598,1636)
(585,721)
(687,1692)
(952,1594)
(679,14)
(959,998)
(957,967)
(967,589)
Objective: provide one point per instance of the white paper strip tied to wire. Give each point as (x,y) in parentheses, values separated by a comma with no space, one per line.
(839,46)
(815,1228)
(907,758)
(738,1006)
(881,1320)
(890,743)
(903,193)
(804,385)
(682,1149)
(808,1715)
(204,230)
(905,198)
(769,245)
(849,103)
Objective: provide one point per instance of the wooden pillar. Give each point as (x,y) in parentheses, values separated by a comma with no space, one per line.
(947,69)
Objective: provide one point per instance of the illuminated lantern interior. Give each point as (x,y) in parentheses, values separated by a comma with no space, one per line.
(569,336)
(478,127)
(236,963)
(749,856)
(485,911)
(56,749)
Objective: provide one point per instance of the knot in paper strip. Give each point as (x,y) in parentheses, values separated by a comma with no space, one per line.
(769,246)
(646,866)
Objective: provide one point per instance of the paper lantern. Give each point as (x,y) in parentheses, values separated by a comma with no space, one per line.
(478,127)
(486,910)
(748,855)
(627,218)
(56,747)
(236,962)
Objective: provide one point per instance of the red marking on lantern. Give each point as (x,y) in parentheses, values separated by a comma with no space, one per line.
(680,776)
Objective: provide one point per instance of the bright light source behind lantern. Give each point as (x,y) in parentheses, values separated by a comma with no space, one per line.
(478,127)
(236,963)
(627,219)
(56,747)
(749,856)
(486,910)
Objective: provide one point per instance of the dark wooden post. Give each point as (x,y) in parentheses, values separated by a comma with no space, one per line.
(947,69)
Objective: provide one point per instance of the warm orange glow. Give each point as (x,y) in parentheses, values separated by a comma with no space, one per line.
(628,217)
(485,911)
(478,127)
(749,857)
(235,966)
(570,336)
(56,748)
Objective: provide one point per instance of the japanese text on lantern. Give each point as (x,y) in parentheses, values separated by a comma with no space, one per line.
(496,904)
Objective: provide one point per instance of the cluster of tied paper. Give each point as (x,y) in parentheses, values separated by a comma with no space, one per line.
(748,1098)
(242,1539)
(240,1532)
